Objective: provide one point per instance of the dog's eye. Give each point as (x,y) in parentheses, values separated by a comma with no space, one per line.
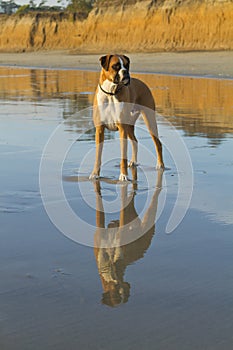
(116,66)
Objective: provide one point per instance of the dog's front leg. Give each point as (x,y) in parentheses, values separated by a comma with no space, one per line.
(99,139)
(134,142)
(123,143)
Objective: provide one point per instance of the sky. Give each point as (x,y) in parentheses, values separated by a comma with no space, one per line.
(48,2)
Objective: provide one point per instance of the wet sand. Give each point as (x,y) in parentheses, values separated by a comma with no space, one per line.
(217,64)
(173,290)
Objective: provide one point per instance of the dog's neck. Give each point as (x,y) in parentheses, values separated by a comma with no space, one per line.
(108,87)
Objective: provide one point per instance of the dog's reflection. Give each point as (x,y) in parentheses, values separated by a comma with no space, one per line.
(113,259)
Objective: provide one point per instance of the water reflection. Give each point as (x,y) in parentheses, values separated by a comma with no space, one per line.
(113,261)
(198,106)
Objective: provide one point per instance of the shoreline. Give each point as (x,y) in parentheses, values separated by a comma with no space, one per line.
(216,64)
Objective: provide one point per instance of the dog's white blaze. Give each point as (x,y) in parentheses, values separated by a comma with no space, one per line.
(121,71)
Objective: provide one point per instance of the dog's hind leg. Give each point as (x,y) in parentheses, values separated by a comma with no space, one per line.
(150,121)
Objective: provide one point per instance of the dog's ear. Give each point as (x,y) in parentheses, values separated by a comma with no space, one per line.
(105,60)
(128,61)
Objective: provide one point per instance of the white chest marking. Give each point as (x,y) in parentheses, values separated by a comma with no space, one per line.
(110,109)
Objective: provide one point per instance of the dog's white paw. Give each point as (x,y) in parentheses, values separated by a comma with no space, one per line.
(160,166)
(132,164)
(93,176)
(123,177)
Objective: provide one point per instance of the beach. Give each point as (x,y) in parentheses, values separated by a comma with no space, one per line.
(101,264)
(216,64)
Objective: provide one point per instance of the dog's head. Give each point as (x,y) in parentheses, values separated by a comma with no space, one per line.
(116,68)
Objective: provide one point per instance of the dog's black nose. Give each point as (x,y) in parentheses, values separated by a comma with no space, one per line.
(125,73)
(126,78)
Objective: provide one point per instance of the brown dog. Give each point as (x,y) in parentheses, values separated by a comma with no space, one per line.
(119,100)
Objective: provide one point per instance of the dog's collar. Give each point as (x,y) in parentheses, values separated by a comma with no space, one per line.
(118,89)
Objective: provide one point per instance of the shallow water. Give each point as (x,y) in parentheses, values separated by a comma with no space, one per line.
(164,291)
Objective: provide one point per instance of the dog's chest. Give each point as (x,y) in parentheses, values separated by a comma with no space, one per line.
(111,111)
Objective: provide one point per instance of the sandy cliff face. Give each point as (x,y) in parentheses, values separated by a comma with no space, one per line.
(144,26)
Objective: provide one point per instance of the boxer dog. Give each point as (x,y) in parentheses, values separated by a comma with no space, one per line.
(118,102)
